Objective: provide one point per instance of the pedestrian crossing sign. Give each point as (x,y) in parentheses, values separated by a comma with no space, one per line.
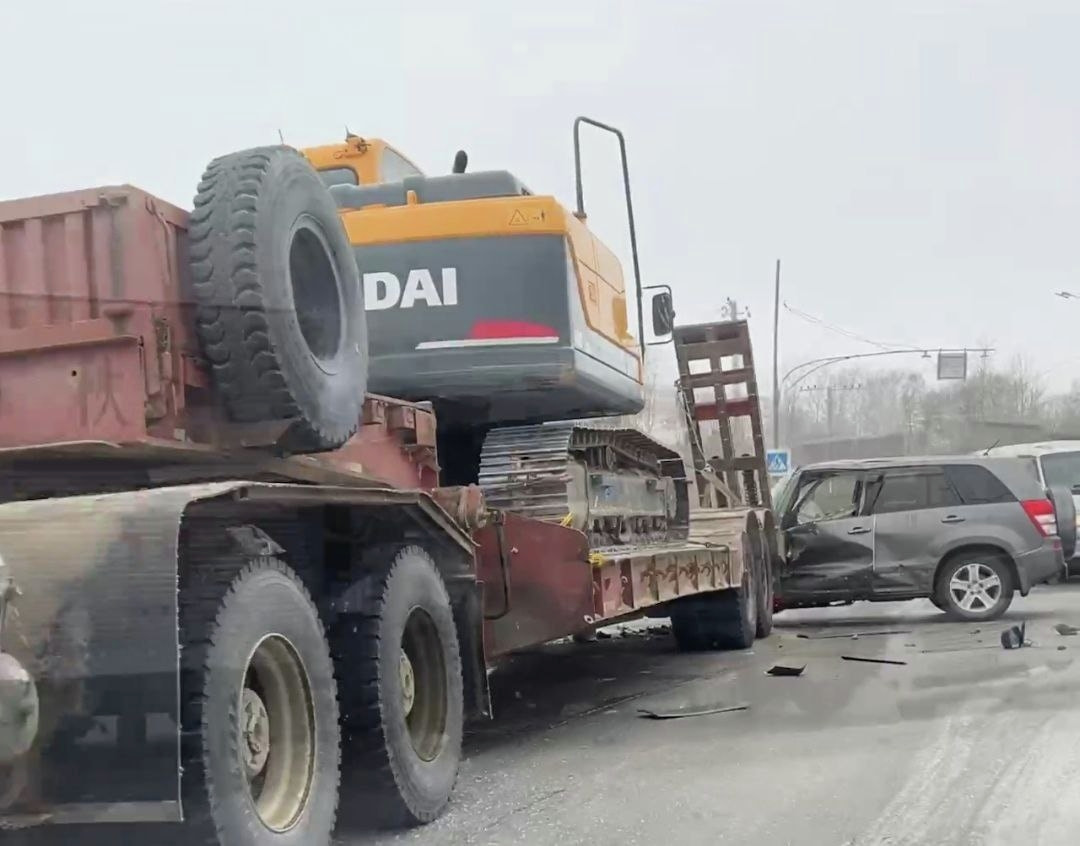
(778,461)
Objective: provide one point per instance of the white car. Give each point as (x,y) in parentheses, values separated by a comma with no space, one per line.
(1055,463)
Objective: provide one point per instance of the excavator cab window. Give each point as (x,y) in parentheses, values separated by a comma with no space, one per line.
(338,176)
(394,167)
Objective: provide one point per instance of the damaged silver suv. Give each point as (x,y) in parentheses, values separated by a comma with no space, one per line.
(966,533)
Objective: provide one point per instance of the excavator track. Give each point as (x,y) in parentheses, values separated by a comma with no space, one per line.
(616,485)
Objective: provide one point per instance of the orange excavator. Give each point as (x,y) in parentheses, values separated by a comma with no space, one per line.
(501,307)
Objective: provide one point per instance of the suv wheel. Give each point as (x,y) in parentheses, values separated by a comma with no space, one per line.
(975,586)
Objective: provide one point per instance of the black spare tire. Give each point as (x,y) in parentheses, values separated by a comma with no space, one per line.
(1065,515)
(279,307)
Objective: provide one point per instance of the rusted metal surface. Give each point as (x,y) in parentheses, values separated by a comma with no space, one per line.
(97,341)
(715,345)
(630,580)
(395,442)
(93,319)
(541,580)
(96,629)
(465,503)
(537,582)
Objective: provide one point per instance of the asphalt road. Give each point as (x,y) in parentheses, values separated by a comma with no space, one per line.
(965,744)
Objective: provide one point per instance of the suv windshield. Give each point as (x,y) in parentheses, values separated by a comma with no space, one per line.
(1062,468)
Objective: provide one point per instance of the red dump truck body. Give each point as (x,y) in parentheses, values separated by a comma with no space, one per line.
(94,338)
(97,350)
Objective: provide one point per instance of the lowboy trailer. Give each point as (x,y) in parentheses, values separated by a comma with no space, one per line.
(203,630)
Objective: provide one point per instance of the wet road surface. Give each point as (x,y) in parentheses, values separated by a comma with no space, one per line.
(965,744)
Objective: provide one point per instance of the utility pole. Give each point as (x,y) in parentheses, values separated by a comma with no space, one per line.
(775,361)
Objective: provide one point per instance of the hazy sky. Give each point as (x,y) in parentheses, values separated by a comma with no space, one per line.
(914,164)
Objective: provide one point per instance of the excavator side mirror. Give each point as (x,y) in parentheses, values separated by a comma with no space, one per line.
(461,161)
(663,314)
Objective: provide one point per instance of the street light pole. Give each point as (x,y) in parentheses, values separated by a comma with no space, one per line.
(816,364)
(775,361)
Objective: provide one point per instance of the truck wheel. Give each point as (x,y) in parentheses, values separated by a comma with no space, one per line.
(402,695)
(975,586)
(765,596)
(259,715)
(279,308)
(723,620)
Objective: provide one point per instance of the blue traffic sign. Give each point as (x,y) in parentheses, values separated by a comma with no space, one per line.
(778,461)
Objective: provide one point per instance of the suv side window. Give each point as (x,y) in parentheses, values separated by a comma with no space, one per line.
(911,489)
(977,485)
(832,496)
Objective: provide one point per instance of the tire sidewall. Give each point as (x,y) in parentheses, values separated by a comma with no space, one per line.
(416,584)
(765,596)
(328,392)
(999,567)
(262,603)
(750,592)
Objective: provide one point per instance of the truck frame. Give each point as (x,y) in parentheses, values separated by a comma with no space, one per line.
(123,488)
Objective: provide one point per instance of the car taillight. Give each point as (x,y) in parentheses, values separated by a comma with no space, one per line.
(1041,513)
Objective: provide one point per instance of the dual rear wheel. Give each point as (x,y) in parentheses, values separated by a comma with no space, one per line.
(280,716)
(729,619)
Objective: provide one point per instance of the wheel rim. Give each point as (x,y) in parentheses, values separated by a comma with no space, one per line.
(277,733)
(422,670)
(975,587)
(315,291)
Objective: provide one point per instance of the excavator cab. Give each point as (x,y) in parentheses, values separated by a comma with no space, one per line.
(496,303)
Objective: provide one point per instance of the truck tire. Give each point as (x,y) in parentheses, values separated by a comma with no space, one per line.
(255,658)
(278,303)
(765,596)
(401,692)
(723,620)
(957,580)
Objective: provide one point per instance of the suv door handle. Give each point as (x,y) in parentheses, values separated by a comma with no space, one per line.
(952,518)
(858,530)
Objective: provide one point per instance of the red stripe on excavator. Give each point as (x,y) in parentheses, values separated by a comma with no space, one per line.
(491,329)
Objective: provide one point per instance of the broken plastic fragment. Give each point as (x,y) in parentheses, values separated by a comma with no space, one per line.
(784,670)
(688,711)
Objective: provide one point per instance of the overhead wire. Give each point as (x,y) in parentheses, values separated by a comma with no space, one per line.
(847,333)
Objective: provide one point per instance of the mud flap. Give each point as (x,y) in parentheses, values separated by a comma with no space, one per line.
(95,625)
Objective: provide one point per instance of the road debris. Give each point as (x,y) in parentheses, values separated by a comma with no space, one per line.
(784,670)
(955,649)
(603,635)
(688,711)
(863,660)
(853,635)
(1013,637)
(1065,630)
